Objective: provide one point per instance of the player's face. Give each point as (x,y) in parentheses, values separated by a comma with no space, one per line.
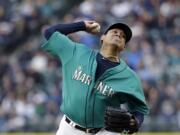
(115,37)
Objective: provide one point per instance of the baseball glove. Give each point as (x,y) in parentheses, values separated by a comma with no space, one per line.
(120,120)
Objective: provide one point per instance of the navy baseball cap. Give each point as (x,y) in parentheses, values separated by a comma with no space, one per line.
(123,27)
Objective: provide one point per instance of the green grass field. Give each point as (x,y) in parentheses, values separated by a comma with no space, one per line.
(164,133)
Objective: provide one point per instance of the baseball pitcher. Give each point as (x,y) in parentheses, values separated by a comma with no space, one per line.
(96,83)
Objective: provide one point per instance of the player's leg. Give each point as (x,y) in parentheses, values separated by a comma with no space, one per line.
(62,127)
(67,129)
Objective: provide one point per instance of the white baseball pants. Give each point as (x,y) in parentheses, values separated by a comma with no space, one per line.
(68,129)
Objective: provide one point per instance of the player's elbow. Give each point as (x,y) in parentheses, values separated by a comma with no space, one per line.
(46,32)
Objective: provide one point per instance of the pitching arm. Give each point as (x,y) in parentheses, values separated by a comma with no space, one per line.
(64,28)
(89,26)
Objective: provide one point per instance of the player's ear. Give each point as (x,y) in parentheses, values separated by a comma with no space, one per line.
(102,38)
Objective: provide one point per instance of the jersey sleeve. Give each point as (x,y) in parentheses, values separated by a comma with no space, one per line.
(61,46)
(136,101)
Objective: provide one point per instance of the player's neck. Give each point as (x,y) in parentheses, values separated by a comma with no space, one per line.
(110,54)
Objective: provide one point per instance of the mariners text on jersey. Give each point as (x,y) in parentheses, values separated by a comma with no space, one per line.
(104,89)
(79,75)
(86,79)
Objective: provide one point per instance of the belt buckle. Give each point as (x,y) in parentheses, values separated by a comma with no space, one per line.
(72,124)
(88,130)
(91,130)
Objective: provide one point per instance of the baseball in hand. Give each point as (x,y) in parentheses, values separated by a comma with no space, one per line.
(96,28)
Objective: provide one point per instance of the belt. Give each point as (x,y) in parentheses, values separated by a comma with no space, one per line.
(87,130)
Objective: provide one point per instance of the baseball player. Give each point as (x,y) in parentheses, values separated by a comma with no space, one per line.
(95,84)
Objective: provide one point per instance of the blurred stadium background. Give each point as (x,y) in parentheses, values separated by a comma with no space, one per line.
(29,78)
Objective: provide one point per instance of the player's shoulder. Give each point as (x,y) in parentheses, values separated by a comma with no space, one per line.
(82,48)
(57,33)
(78,45)
(131,72)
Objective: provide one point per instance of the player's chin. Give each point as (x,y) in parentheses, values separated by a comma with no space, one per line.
(119,46)
(121,49)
